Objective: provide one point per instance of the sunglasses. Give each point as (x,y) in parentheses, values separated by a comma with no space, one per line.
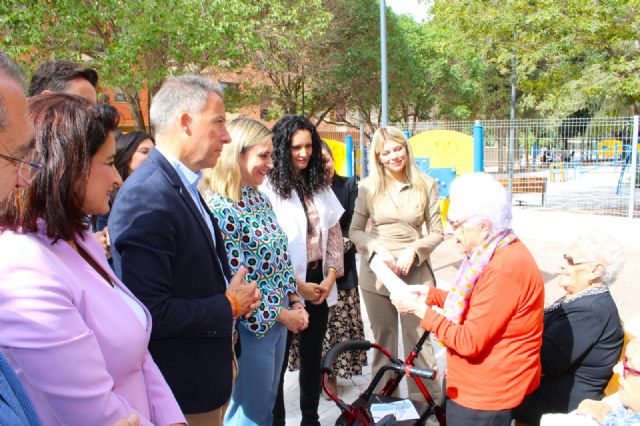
(571,262)
(626,369)
(455,224)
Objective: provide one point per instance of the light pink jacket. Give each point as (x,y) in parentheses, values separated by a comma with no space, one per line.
(78,348)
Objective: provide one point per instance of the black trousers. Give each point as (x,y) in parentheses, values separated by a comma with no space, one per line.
(457,415)
(310,346)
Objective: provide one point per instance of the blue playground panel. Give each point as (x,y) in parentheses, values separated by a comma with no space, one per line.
(443,175)
(423,164)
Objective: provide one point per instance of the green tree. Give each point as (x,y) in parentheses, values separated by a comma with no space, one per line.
(435,81)
(571,55)
(133,44)
(288,34)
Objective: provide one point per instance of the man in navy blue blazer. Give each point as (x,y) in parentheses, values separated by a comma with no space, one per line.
(168,250)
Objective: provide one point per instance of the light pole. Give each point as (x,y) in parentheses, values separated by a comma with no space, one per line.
(384,95)
(512,116)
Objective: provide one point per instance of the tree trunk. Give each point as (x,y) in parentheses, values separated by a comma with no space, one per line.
(323,115)
(133,99)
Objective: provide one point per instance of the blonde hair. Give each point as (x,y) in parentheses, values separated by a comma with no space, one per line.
(379,179)
(225,178)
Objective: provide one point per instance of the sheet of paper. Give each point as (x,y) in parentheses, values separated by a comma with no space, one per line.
(402,410)
(390,280)
(443,284)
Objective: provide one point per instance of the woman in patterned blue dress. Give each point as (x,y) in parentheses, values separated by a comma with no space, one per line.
(254,239)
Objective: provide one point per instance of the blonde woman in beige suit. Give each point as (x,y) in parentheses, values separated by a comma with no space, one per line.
(399,200)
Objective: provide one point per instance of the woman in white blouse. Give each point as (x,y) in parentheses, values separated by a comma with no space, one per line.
(309,213)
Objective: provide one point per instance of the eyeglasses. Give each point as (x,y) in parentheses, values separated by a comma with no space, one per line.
(455,224)
(27,169)
(571,262)
(626,369)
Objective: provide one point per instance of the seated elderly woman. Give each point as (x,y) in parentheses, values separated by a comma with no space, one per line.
(622,408)
(583,336)
(492,321)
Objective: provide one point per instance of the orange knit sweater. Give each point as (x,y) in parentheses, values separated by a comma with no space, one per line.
(493,357)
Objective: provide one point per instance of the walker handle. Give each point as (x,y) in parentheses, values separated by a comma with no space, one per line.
(349,345)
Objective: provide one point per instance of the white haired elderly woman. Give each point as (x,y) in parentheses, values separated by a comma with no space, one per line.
(492,316)
(583,335)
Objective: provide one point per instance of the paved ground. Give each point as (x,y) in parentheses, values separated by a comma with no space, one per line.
(546,233)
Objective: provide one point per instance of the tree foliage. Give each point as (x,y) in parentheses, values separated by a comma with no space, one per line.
(133,44)
(571,55)
(319,56)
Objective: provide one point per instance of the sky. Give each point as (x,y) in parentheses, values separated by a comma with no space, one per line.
(411,7)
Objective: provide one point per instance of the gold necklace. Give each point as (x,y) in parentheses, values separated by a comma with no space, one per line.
(72,244)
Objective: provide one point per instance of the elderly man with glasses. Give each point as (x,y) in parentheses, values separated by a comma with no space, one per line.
(16,145)
(16,131)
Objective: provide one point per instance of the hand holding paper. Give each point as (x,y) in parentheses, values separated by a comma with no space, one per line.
(383,254)
(406,302)
(406,298)
(384,273)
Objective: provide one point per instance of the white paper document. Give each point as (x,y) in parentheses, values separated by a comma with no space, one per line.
(402,410)
(386,276)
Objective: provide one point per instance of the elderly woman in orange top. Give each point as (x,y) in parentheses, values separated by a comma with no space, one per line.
(492,320)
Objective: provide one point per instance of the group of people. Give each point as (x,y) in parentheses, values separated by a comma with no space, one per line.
(174,279)
(221,278)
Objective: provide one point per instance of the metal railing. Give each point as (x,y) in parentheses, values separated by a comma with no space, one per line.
(590,164)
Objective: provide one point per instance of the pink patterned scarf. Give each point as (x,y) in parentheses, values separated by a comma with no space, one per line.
(457,301)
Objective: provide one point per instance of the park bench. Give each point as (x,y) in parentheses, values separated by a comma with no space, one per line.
(526,185)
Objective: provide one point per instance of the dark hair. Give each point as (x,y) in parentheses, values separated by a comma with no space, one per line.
(126,146)
(56,75)
(282,177)
(69,131)
(325,147)
(8,68)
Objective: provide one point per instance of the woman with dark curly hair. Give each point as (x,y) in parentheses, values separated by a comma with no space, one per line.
(309,213)
(76,336)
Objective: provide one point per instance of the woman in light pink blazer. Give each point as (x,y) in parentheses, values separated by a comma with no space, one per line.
(72,331)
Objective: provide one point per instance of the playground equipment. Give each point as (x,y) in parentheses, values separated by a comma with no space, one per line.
(342,164)
(445,154)
(442,154)
(609,150)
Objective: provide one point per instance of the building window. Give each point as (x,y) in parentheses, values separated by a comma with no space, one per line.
(228,86)
(264,109)
(118,96)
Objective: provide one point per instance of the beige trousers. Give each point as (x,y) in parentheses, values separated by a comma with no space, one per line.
(216,417)
(383,317)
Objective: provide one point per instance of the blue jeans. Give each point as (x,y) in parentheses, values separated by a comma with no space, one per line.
(259,365)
